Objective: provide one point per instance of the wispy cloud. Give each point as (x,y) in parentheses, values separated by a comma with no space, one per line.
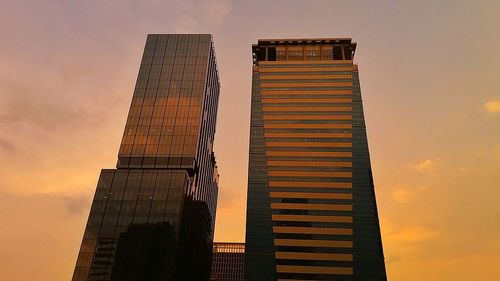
(492,106)
(403,195)
(7,146)
(201,16)
(77,204)
(412,234)
(427,165)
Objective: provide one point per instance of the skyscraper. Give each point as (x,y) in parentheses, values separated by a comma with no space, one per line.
(228,261)
(311,211)
(153,217)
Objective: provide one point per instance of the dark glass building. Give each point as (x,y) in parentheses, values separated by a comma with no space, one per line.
(153,217)
(228,262)
(311,211)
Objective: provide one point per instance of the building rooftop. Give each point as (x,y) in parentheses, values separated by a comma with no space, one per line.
(304,41)
(313,48)
(228,247)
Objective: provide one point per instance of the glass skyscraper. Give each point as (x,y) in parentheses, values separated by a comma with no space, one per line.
(153,217)
(311,210)
(228,261)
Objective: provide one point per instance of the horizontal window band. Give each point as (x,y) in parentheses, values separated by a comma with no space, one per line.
(307,108)
(309,126)
(307,80)
(307,92)
(307,117)
(304,262)
(312,237)
(308,153)
(307,73)
(308,131)
(315,201)
(309,96)
(320,213)
(284,139)
(313,190)
(310,113)
(309,169)
(304,84)
(304,158)
(308,135)
(304,76)
(313,243)
(301,278)
(306,66)
(311,218)
(312,230)
(306,100)
(309,164)
(309,149)
(320,178)
(311,121)
(281,279)
(311,184)
(313,224)
(309,174)
(312,195)
(305,120)
(309,144)
(297,88)
(308,178)
(313,270)
(304,206)
(312,256)
(289,108)
(303,62)
(303,69)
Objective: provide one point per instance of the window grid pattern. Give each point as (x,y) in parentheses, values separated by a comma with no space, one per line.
(311,206)
(310,255)
(228,261)
(158,207)
(163,125)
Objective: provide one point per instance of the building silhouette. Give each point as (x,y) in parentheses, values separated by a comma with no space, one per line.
(228,261)
(311,210)
(152,218)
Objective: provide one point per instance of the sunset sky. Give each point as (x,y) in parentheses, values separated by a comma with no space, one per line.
(430,80)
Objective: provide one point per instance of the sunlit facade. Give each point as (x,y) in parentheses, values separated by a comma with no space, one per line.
(153,217)
(311,210)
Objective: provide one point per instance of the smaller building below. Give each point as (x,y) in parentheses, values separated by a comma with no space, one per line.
(228,262)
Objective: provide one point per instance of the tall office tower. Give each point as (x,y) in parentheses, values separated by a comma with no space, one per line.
(228,261)
(153,217)
(311,212)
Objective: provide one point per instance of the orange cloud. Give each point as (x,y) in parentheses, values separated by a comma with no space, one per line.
(403,195)
(492,106)
(426,165)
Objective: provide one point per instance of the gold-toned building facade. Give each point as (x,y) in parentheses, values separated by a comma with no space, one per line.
(311,212)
